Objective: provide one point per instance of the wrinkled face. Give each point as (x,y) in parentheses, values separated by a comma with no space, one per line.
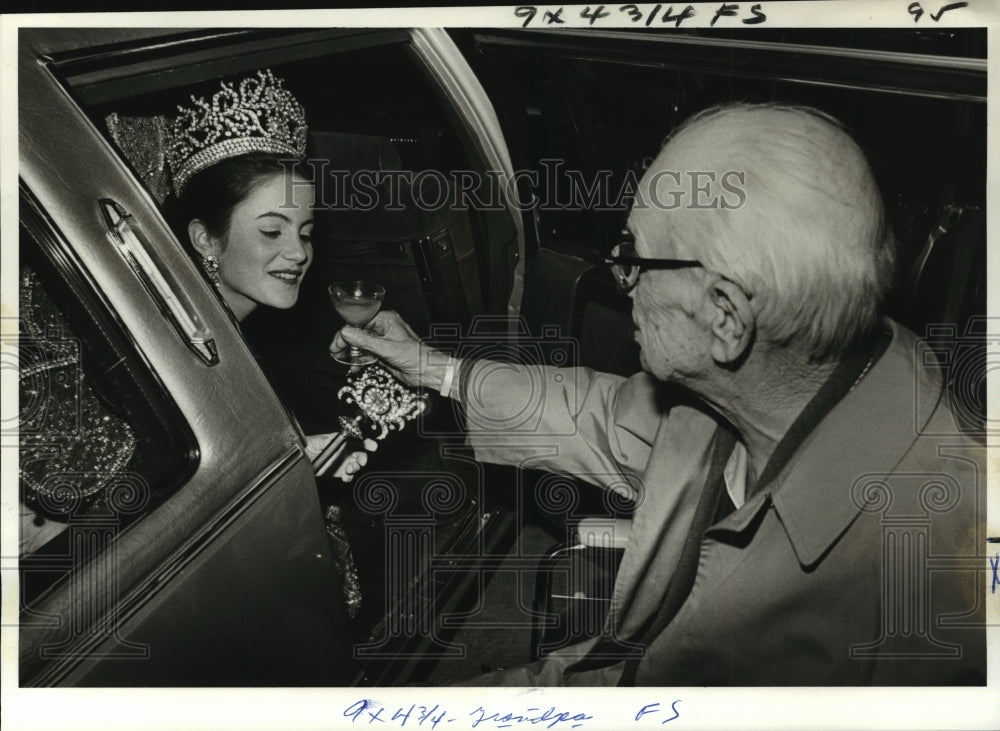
(668,307)
(268,247)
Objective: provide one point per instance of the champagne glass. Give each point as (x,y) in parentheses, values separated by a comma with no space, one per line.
(357,302)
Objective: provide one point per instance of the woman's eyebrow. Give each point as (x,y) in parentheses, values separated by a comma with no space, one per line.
(283,217)
(276,215)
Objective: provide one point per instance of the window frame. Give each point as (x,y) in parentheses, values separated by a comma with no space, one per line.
(111,334)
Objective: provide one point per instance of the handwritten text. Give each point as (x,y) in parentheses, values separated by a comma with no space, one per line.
(369,712)
(660,14)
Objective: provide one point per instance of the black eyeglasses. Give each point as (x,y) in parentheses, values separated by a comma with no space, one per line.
(626,266)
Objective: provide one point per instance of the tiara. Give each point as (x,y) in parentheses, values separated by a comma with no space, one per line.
(258,115)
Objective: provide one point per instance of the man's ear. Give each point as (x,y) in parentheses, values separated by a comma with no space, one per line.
(732,323)
(202,241)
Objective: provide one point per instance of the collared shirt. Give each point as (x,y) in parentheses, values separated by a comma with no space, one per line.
(735,475)
(791,587)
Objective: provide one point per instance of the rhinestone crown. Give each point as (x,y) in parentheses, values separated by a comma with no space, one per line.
(258,115)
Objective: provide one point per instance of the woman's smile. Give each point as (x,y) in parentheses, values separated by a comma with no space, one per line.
(288,276)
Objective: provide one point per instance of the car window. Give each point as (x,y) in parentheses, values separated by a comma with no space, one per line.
(599,106)
(99,444)
(586,112)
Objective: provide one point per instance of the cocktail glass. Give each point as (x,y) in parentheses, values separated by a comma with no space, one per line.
(357,302)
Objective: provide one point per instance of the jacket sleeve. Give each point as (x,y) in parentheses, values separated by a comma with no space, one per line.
(596,426)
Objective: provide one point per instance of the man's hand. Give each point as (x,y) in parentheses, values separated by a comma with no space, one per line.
(399,348)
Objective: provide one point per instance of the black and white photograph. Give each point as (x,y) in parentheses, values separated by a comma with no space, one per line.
(583,366)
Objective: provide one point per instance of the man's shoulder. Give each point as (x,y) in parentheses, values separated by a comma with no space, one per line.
(656,400)
(943,403)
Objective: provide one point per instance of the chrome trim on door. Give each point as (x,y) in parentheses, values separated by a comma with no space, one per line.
(162,287)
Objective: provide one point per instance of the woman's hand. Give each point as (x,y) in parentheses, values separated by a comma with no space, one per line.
(351,464)
(399,348)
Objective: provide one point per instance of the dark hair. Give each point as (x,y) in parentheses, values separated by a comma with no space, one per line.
(212,194)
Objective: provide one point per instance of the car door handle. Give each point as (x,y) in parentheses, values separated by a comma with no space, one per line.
(159,281)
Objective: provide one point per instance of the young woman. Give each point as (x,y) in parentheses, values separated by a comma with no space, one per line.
(244,204)
(247,212)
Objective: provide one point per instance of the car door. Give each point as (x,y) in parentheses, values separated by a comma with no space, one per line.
(228,560)
(211,566)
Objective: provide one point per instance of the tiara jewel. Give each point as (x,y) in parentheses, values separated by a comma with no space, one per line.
(258,115)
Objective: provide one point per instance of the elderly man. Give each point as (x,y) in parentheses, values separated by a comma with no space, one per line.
(796,522)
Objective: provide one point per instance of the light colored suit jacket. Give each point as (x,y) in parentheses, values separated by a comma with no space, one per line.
(861,563)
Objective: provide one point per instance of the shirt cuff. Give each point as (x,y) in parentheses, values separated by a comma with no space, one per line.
(449,376)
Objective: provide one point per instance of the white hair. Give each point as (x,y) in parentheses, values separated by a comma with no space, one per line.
(810,241)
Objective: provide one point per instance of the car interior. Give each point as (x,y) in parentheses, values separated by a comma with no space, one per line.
(473,567)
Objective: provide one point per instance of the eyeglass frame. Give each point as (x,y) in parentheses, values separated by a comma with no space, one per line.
(640,262)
